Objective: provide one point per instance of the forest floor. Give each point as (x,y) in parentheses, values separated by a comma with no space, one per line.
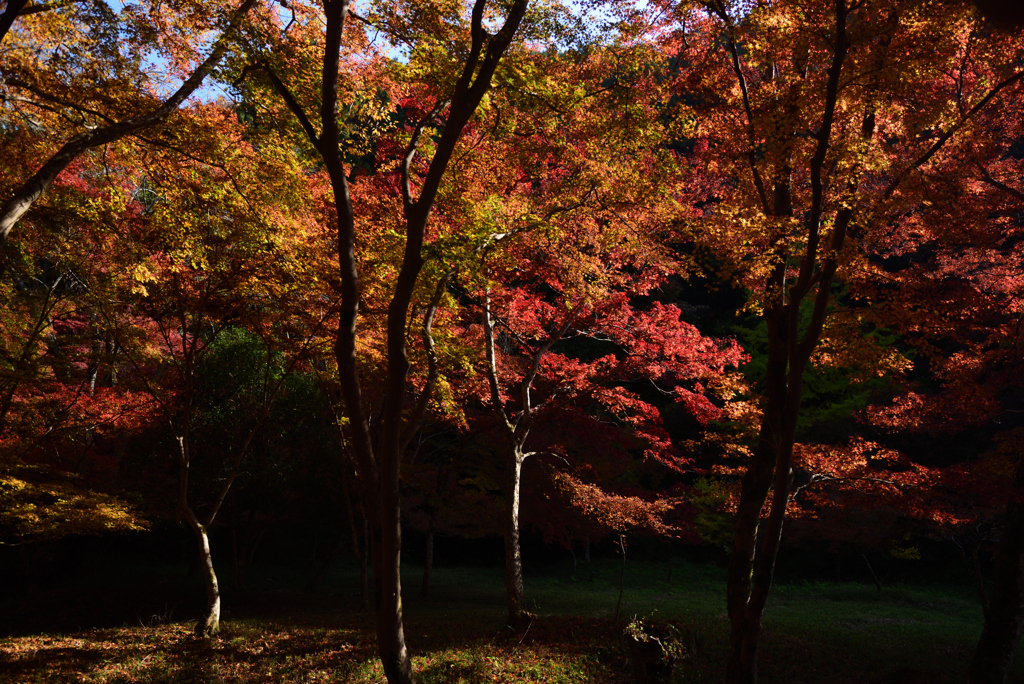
(813,633)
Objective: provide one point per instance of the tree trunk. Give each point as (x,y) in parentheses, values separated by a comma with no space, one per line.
(325,564)
(994,652)
(972,563)
(386,551)
(518,616)
(209,625)
(379,469)
(757,481)
(236,561)
(364,568)
(622,576)
(428,560)
(878,584)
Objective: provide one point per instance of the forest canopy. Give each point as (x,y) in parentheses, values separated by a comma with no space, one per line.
(727,273)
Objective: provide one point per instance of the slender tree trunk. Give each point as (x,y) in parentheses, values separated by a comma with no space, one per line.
(325,564)
(237,546)
(428,559)
(972,562)
(209,625)
(878,584)
(514,592)
(994,652)
(236,562)
(622,576)
(364,568)
(247,552)
(386,551)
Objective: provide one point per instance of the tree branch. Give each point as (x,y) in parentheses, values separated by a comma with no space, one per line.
(416,419)
(930,152)
(32,189)
(293,105)
(718,8)
(410,152)
(987,177)
(492,367)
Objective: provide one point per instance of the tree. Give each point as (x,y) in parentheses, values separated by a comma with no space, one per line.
(98,114)
(950,285)
(799,105)
(190,258)
(561,271)
(449,109)
(62,411)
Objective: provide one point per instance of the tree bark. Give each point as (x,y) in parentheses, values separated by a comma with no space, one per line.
(209,625)
(386,551)
(994,652)
(878,584)
(428,560)
(515,594)
(379,466)
(622,576)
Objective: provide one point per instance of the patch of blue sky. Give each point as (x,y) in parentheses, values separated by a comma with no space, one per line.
(579,23)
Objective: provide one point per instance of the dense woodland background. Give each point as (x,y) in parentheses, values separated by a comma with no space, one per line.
(512,283)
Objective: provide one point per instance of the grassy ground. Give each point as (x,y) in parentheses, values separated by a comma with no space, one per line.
(814,633)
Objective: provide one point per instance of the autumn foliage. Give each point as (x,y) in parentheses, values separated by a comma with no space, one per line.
(664,270)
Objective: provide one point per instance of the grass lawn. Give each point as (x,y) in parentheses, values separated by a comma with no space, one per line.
(828,632)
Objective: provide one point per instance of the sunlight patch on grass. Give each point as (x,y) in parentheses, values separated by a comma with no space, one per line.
(814,633)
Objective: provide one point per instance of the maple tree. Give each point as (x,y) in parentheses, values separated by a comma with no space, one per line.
(447,87)
(552,253)
(62,410)
(799,105)
(162,251)
(496,224)
(579,291)
(78,68)
(951,285)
